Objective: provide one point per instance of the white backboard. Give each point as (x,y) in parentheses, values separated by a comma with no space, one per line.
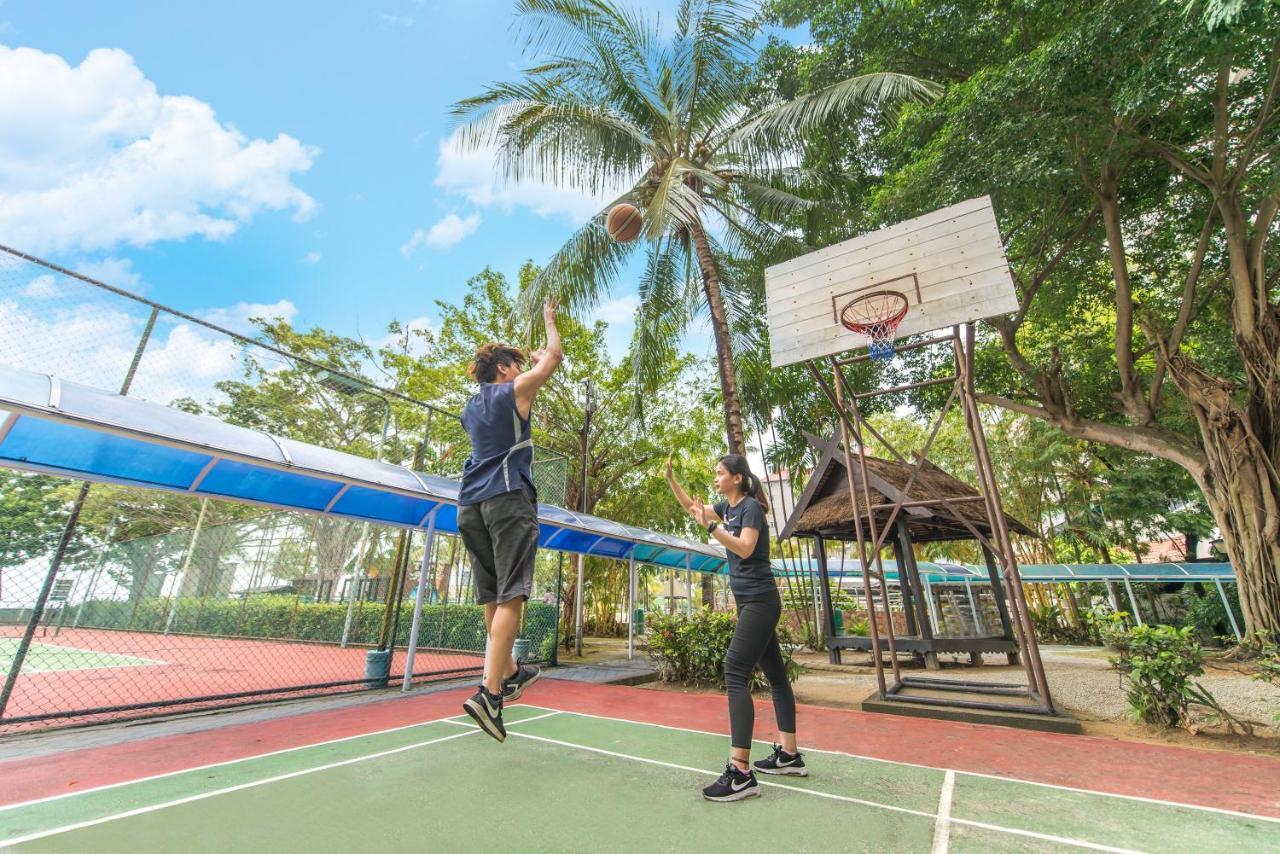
(949,264)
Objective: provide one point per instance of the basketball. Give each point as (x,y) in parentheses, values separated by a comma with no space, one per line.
(624,222)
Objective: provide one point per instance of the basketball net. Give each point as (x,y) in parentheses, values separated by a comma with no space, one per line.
(876,316)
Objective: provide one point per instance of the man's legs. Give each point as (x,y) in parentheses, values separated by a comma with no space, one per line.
(491,608)
(502,620)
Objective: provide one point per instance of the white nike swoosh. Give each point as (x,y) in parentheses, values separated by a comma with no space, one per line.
(738,788)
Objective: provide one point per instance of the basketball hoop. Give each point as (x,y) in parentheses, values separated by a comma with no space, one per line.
(876,315)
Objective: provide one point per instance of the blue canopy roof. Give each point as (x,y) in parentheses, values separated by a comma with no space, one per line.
(73,430)
(950,573)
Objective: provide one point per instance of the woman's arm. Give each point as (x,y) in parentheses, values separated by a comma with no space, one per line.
(742,545)
(683,497)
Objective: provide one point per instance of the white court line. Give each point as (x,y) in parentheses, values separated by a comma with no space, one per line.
(32,671)
(17,840)
(1058,786)
(1062,840)
(161,776)
(89,651)
(942,827)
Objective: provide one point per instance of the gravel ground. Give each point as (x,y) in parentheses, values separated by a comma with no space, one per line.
(1080,679)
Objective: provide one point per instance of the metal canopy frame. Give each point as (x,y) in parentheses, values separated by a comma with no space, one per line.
(873,536)
(215,453)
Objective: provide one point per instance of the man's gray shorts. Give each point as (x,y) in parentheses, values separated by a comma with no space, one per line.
(501,535)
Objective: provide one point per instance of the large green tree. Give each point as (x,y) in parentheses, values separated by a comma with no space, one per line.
(1130,150)
(615,99)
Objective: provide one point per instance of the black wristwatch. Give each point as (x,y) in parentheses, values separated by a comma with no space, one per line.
(712,525)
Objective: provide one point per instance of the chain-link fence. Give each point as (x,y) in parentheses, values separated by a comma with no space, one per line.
(120,602)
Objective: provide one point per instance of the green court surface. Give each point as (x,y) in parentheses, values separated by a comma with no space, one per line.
(50,658)
(566,781)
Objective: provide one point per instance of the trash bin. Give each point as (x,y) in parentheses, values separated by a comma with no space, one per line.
(637,618)
(520,651)
(837,622)
(377,668)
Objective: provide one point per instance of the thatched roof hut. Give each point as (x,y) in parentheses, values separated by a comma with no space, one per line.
(824,508)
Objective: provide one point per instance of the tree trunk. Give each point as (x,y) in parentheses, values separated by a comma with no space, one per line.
(728,374)
(724,350)
(1243,500)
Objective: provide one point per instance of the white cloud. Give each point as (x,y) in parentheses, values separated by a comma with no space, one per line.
(446,233)
(620,314)
(237,317)
(620,311)
(93,157)
(416,344)
(312,258)
(42,287)
(113,271)
(93,343)
(474,175)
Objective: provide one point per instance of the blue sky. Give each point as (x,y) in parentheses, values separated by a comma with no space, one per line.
(284,154)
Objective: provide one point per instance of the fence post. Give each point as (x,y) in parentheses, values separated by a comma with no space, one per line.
(1235,627)
(417,601)
(42,598)
(186,564)
(631,605)
(1137,615)
(555,633)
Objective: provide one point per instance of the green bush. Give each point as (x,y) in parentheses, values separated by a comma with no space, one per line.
(692,649)
(1205,613)
(459,627)
(1156,664)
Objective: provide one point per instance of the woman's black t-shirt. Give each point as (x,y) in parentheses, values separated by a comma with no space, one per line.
(749,577)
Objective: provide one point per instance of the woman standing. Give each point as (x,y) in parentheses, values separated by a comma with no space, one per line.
(738,523)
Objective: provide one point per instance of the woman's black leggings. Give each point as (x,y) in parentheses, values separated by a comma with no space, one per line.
(755,641)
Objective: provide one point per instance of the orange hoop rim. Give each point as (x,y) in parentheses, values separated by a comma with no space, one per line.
(882,311)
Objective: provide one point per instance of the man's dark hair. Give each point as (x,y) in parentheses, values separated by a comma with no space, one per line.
(484,367)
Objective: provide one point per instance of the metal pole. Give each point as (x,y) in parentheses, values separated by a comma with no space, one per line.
(1227,607)
(973,608)
(93,581)
(631,606)
(579,618)
(555,632)
(362,554)
(417,601)
(186,564)
(933,608)
(688,587)
(1137,615)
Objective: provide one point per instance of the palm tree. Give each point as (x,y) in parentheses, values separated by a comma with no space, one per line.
(615,101)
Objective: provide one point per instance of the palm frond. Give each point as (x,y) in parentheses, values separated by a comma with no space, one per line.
(748,235)
(661,318)
(798,117)
(583,270)
(711,54)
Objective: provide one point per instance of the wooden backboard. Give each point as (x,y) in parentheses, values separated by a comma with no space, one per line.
(949,264)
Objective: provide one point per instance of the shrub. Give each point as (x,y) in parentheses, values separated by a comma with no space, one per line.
(1157,663)
(459,627)
(692,649)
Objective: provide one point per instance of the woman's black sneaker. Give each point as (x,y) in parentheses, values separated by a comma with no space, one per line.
(513,686)
(781,762)
(733,785)
(486,710)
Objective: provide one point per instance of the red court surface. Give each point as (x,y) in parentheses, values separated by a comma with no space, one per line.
(187,666)
(1232,782)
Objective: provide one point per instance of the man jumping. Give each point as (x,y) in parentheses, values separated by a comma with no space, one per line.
(498,508)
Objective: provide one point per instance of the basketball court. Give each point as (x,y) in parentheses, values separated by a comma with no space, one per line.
(595,767)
